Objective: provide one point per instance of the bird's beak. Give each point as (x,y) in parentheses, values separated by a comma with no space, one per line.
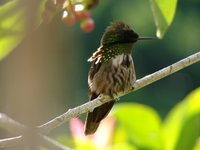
(145,38)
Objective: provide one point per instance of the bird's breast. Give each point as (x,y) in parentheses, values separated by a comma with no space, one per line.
(114,77)
(116,61)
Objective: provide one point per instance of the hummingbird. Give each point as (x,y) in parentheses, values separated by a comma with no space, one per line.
(112,70)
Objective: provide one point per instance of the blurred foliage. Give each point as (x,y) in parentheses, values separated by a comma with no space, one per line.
(182,124)
(163,12)
(197,146)
(134,122)
(139,127)
(13,25)
(180,129)
(13,20)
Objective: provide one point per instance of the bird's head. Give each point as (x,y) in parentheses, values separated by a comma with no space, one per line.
(118,38)
(118,33)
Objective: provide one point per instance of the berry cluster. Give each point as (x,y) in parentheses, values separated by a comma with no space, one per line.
(72,12)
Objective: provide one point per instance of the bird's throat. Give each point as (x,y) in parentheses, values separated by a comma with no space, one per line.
(116,50)
(116,61)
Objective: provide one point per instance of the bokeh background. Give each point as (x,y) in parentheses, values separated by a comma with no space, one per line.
(47,73)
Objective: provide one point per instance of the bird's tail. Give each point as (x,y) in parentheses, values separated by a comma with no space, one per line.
(94,118)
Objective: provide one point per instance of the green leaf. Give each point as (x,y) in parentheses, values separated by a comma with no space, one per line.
(123,146)
(163,13)
(197,146)
(138,124)
(182,125)
(12,25)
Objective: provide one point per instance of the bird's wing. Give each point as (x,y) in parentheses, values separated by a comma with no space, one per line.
(93,118)
(96,56)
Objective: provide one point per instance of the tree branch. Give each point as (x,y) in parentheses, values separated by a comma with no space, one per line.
(52,144)
(15,127)
(89,106)
(11,142)
(166,71)
(11,125)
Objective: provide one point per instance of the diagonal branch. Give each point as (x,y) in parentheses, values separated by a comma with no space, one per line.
(52,144)
(11,142)
(140,83)
(89,106)
(44,141)
(15,127)
(11,125)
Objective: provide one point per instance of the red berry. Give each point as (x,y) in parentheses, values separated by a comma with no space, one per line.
(87,25)
(82,15)
(86,14)
(68,18)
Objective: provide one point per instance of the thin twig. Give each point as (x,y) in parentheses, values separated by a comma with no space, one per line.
(15,127)
(166,71)
(11,142)
(11,125)
(89,106)
(52,144)
(71,113)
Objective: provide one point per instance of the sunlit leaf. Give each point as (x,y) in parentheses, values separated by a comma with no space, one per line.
(123,146)
(163,13)
(182,125)
(12,25)
(138,124)
(197,146)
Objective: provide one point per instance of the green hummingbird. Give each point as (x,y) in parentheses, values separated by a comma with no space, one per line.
(112,71)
